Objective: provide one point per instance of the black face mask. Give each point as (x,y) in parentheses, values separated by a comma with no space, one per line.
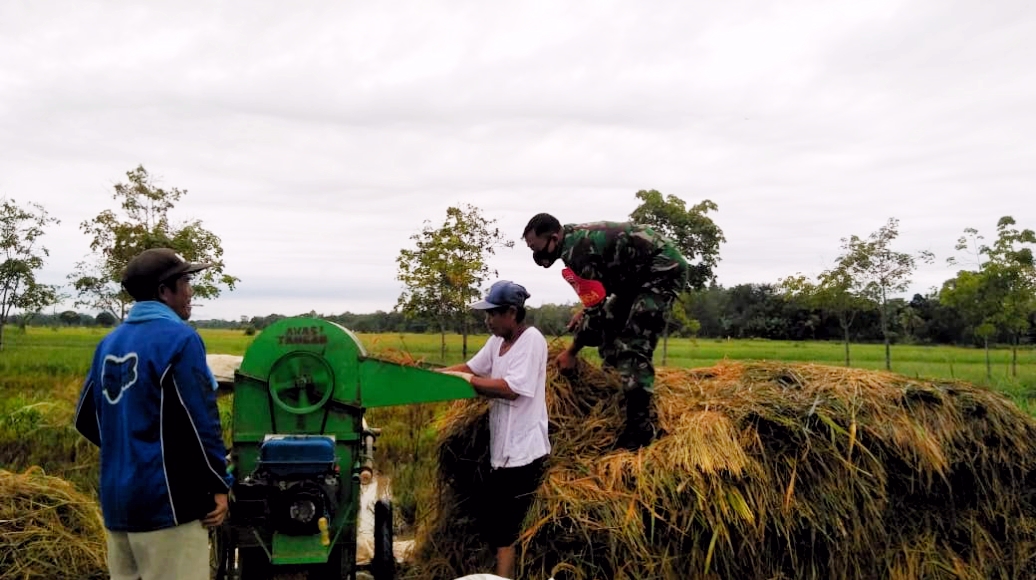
(545,257)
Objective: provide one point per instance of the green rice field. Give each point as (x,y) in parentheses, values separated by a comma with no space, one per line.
(41,371)
(35,362)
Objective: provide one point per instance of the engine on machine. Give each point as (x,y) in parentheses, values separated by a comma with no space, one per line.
(294,487)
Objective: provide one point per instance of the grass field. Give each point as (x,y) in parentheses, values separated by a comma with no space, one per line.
(42,360)
(41,372)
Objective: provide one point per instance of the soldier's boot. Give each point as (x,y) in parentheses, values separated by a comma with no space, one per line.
(640,430)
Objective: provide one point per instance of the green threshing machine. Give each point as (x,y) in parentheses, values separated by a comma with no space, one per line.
(300,448)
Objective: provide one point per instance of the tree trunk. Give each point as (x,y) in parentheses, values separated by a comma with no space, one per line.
(885,331)
(464,340)
(845,334)
(442,342)
(1014,357)
(989,368)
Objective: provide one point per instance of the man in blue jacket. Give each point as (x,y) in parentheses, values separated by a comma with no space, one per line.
(149,403)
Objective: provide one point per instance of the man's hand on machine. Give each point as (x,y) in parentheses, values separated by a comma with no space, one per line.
(465,376)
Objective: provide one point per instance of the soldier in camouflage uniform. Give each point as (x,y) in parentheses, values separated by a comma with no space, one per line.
(627,277)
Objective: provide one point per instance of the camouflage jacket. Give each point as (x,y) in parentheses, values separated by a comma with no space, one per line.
(623,257)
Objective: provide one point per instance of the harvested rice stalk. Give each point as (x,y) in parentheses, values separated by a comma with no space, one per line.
(766,470)
(48,529)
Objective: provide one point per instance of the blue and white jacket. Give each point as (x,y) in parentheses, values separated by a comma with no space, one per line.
(149,403)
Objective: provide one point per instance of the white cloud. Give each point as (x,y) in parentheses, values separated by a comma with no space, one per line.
(314,140)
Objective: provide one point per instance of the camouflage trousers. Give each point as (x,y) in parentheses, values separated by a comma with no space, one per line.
(625,330)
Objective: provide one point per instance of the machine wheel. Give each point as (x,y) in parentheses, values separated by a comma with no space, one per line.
(220,550)
(383,565)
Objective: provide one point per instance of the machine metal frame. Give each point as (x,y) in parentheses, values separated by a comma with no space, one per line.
(300,448)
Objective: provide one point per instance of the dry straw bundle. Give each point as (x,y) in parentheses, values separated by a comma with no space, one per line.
(766,471)
(48,529)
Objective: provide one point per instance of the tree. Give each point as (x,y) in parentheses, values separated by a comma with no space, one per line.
(106,319)
(970,294)
(690,228)
(911,322)
(694,233)
(942,324)
(680,322)
(36,298)
(831,293)
(445,270)
(69,318)
(876,271)
(1001,293)
(551,319)
(144,223)
(1013,272)
(756,310)
(21,255)
(709,306)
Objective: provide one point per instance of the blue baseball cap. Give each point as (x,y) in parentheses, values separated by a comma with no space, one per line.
(503,293)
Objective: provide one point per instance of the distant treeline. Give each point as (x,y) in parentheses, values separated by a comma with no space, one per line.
(743,311)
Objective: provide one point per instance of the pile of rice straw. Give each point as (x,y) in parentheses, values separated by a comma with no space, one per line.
(766,471)
(48,529)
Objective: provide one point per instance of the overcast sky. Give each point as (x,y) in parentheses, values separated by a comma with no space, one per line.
(315,137)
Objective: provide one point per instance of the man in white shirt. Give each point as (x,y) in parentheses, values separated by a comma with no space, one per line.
(511,369)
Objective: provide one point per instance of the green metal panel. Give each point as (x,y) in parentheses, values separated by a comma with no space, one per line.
(298,376)
(298,549)
(309,376)
(317,347)
(384,384)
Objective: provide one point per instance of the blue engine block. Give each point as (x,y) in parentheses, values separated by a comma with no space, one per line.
(297,456)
